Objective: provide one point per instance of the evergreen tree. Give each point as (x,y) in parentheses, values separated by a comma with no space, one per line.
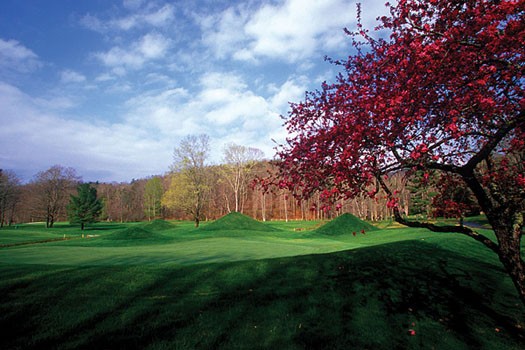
(422,187)
(84,208)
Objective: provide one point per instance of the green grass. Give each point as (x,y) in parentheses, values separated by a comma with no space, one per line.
(345,224)
(187,288)
(237,221)
(158,225)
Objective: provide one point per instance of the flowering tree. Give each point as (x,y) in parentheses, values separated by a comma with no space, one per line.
(443,93)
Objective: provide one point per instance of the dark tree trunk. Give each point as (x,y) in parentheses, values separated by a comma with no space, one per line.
(82,226)
(510,258)
(507,224)
(196,222)
(510,255)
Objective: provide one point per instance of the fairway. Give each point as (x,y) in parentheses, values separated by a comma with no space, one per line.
(182,244)
(165,285)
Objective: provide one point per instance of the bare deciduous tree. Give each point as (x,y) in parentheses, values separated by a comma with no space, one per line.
(239,162)
(52,189)
(9,196)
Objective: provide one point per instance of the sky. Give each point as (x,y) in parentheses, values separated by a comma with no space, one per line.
(110,88)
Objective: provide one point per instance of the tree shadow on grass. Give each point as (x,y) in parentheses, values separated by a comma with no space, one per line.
(423,283)
(360,299)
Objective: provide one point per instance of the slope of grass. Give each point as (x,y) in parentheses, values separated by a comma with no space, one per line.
(237,221)
(134,235)
(345,224)
(158,225)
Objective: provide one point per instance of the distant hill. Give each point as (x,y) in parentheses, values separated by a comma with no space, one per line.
(237,221)
(345,224)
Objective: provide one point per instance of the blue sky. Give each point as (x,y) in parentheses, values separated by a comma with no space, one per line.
(111,87)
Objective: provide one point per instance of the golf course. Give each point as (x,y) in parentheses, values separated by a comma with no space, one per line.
(238,283)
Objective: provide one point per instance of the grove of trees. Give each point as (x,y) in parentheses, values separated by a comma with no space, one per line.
(136,201)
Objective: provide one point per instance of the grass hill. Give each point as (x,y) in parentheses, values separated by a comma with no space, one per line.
(132,233)
(345,224)
(239,222)
(158,225)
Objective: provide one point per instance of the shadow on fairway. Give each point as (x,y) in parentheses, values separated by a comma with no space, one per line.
(361,299)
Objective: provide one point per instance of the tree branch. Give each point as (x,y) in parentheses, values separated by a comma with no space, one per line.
(448,228)
(487,149)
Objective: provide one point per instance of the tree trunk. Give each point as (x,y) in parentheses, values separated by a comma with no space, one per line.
(196,222)
(507,224)
(82,226)
(263,206)
(510,257)
(509,253)
(285,208)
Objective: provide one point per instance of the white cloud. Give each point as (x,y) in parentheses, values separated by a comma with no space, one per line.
(141,139)
(14,55)
(153,45)
(69,76)
(157,78)
(224,32)
(291,91)
(295,29)
(225,107)
(38,138)
(291,30)
(149,16)
(161,17)
(150,47)
(133,4)
(94,23)
(104,77)
(54,103)
(12,49)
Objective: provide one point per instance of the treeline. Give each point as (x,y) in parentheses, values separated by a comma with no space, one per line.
(45,197)
(196,190)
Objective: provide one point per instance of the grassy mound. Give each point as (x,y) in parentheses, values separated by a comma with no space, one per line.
(157,225)
(133,233)
(345,224)
(237,221)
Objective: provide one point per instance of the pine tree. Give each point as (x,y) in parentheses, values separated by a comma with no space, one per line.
(84,208)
